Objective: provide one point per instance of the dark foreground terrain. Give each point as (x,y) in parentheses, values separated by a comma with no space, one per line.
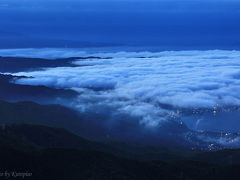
(32,140)
(52,153)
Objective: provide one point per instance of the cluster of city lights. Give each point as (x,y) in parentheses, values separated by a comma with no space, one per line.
(199,138)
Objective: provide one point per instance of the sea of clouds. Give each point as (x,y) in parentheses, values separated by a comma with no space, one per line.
(138,83)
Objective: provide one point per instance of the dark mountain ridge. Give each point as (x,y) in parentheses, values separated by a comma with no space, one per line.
(46,153)
(21,64)
(172,135)
(42,94)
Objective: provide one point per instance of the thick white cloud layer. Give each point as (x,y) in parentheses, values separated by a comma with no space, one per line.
(135,85)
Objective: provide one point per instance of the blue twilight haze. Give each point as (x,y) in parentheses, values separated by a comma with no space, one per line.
(174,24)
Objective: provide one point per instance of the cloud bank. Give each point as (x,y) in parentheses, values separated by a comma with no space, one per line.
(138,83)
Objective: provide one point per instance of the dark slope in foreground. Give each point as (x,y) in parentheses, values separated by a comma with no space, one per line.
(92,128)
(32,113)
(61,117)
(171,135)
(39,150)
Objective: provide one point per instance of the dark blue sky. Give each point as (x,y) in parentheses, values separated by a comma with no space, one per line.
(173,24)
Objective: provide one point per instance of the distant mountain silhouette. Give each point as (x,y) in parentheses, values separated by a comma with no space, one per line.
(15,92)
(20,64)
